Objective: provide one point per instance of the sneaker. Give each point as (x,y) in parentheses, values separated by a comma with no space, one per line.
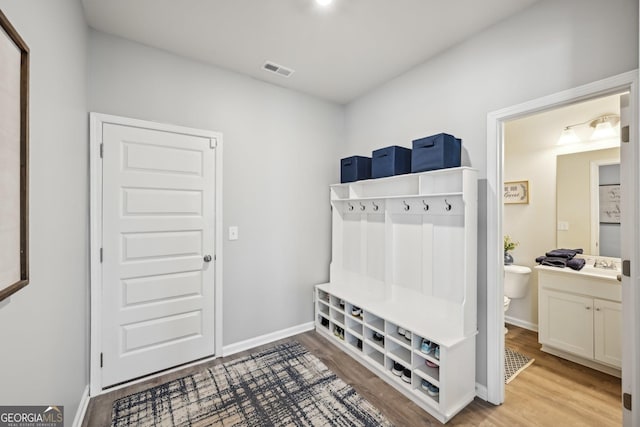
(433,390)
(341,303)
(430,364)
(397,369)
(426,346)
(407,335)
(424,384)
(324,322)
(339,332)
(406,376)
(401,331)
(436,352)
(356,311)
(359,344)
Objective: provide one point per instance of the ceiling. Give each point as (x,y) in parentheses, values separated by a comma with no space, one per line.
(338,52)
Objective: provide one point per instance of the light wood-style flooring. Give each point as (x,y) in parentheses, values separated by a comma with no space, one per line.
(550,392)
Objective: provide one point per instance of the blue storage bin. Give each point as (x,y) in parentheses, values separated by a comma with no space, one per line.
(355,168)
(390,161)
(436,152)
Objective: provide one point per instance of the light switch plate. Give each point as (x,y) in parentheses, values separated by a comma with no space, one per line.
(233,232)
(563,225)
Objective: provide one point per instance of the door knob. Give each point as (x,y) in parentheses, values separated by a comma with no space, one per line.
(619,277)
(207,258)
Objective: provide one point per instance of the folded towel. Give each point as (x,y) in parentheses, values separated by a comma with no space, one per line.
(576,263)
(564,253)
(554,261)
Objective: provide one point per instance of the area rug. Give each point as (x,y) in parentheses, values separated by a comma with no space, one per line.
(281,386)
(514,363)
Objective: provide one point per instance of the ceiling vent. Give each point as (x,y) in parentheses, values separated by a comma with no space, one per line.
(278,69)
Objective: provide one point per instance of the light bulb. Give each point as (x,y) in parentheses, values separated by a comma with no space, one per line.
(603,130)
(568,136)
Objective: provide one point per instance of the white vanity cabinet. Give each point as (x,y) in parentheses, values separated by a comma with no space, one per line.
(404,252)
(580,317)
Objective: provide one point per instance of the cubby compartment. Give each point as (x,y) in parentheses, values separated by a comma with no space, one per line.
(404,253)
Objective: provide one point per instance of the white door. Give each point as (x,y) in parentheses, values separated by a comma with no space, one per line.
(158,206)
(607,332)
(567,322)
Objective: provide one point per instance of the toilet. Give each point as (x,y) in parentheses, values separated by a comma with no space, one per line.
(516,283)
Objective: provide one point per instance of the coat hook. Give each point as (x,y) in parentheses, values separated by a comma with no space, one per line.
(375,207)
(406,206)
(350,206)
(448,207)
(362,207)
(426,206)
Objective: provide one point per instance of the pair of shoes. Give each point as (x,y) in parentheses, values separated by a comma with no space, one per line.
(339,332)
(356,311)
(430,364)
(341,302)
(426,346)
(430,388)
(324,322)
(403,332)
(436,352)
(378,338)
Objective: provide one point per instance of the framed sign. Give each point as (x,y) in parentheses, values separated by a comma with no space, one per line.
(609,201)
(14,157)
(516,192)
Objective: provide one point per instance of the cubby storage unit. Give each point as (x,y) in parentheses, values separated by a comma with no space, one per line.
(404,253)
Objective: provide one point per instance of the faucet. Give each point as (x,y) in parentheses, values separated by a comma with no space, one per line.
(603,263)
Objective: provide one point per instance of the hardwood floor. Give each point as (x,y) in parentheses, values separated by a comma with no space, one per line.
(551,392)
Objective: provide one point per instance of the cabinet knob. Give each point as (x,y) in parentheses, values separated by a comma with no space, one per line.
(588,308)
(207,258)
(597,308)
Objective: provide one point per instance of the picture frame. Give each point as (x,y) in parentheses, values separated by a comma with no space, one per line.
(609,204)
(516,192)
(14,160)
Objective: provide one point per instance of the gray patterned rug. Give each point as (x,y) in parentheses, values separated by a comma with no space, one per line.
(281,386)
(514,363)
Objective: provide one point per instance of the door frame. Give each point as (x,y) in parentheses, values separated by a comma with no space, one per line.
(96,122)
(495,181)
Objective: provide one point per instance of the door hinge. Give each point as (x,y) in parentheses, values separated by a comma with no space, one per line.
(101,360)
(213,143)
(626,401)
(626,267)
(101,149)
(100,254)
(624,133)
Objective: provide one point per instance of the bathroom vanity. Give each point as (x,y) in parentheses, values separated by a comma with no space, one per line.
(580,316)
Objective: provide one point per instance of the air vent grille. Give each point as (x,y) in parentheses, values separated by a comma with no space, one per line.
(278,69)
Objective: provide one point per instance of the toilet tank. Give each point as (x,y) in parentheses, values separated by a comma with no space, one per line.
(516,280)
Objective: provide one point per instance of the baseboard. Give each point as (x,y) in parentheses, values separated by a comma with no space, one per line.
(82,408)
(482,392)
(521,323)
(230,349)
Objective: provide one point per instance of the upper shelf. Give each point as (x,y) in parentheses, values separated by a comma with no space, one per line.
(438,182)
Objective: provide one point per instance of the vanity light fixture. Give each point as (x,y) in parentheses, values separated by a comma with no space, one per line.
(324,2)
(604,127)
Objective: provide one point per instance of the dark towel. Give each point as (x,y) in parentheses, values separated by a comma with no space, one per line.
(564,253)
(554,261)
(576,263)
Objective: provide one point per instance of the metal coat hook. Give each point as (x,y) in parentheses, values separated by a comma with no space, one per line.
(448,207)
(362,207)
(375,207)
(350,206)
(406,206)
(426,206)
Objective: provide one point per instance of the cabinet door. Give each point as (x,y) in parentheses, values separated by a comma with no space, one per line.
(608,332)
(566,322)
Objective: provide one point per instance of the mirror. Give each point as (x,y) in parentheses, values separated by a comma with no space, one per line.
(587,205)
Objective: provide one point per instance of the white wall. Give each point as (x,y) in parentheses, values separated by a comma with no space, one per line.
(552,46)
(279,158)
(44,334)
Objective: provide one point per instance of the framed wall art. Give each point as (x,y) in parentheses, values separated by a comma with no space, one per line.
(14,159)
(516,192)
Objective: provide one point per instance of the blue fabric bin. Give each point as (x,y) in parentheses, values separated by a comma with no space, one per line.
(435,152)
(390,161)
(355,168)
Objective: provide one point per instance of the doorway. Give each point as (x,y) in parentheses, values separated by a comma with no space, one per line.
(631,298)
(155,214)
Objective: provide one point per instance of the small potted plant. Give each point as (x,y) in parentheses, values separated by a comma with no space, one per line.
(509,245)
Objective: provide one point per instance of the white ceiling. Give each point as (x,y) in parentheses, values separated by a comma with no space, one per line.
(338,53)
